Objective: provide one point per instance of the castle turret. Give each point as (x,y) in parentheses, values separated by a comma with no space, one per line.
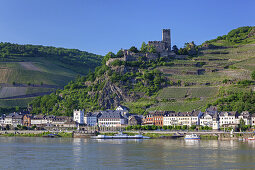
(166,38)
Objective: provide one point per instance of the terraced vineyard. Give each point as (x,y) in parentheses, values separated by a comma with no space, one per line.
(23,76)
(197,90)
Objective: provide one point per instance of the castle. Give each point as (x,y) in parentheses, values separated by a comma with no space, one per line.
(162,48)
(165,44)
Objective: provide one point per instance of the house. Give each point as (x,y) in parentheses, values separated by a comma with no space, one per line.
(148,119)
(2,120)
(253,119)
(37,120)
(111,118)
(170,119)
(195,117)
(207,119)
(123,108)
(135,120)
(14,119)
(216,121)
(158,118)
(246,117)
(78,116)
(59,121)
(47,120)
(182,118)
(27,120)
(90,119)
(228,119)
(155,118)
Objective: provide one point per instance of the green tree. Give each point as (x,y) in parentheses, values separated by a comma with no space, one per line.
(253,75)
(120,54)
(175,49)
(144,48)
(133,49)
(151,49)
(242,125)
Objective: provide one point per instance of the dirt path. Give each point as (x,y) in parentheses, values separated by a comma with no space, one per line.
(29,66)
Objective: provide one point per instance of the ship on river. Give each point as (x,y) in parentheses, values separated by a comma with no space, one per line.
(120,135)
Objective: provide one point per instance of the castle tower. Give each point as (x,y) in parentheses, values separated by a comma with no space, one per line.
(166,38)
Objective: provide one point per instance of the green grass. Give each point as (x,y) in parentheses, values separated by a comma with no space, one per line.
(61,134)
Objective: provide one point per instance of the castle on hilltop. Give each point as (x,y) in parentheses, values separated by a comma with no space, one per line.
(165,44)
(162,49)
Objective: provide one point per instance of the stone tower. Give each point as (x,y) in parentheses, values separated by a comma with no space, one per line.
(166,38)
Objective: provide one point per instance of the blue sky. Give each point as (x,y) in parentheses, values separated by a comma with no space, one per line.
(100,26)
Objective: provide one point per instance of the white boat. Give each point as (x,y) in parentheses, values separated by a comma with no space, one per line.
(120,136)
(251,138)
(192,137)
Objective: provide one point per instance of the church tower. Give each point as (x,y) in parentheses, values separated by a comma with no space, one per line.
(166,38)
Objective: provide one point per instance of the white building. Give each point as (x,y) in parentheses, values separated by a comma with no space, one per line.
(111,118)
(170,119)
(90,119)
(246,117)
(228,118)
(206,120)
(78,116)
(186,118)
(253,119)
(37,120)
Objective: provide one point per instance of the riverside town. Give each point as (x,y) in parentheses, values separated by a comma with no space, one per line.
(120,118)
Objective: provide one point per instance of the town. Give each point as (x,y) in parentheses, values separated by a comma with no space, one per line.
(121,118)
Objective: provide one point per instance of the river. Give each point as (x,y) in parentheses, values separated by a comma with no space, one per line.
(78,153)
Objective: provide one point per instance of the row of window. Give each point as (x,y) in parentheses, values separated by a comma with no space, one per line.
(109,120)
(109,123)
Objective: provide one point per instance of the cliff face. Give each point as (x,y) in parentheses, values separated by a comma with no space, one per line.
(112,95)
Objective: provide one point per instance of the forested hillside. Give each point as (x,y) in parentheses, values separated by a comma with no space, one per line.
(27,71)
(218,72)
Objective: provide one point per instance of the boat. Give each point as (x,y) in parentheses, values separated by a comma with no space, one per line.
(192,137)
(251,138)
(51,135)
(120,135)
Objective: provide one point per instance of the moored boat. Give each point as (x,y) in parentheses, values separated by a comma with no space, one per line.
(251,138)
(120,136)
(192,137)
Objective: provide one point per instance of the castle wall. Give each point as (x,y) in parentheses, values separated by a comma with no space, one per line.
(159,45)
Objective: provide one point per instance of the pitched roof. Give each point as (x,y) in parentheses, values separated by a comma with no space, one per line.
(212,109)
(115,114)
(38,117)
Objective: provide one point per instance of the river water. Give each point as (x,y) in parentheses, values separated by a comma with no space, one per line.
(77,153)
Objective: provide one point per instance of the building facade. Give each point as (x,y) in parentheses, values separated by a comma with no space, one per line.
(78,116)
(111,118)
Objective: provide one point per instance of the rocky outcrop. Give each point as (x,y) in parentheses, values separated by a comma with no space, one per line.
(112,95)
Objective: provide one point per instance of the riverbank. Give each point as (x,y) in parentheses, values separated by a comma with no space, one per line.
(34,133)
(210,135)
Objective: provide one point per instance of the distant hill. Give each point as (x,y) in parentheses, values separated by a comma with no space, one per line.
(220,69)
(27,71)
(236,37)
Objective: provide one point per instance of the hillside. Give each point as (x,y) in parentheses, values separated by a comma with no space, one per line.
(27,71)
(214,70)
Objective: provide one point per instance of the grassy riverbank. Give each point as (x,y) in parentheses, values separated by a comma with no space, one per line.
(60,134)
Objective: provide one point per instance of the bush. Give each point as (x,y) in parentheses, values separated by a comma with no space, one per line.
(253,75)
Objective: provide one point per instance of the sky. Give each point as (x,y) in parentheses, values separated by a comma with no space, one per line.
(101,26)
